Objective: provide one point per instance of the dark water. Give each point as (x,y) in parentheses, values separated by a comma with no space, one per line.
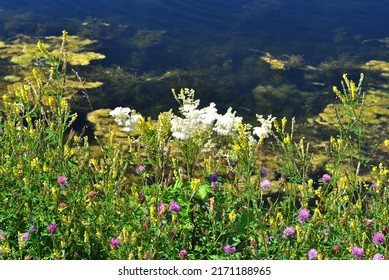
(214,46)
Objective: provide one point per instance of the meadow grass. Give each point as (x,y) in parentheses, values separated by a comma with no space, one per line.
(192,186)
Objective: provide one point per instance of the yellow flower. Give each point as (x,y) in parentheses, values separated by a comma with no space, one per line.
(283,123)
(64,104)
(287,139)
(194,184)
(338,94)
(232,216)
(54,193)
(86,237)
(358,205)
(42,48)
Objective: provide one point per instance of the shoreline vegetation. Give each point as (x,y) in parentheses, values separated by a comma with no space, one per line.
(193,185)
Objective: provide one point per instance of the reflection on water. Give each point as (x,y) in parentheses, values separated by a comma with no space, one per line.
(259,56)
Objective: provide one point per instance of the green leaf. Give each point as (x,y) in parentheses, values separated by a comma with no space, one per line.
(203,191)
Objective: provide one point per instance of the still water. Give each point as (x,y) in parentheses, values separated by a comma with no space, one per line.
(227,50)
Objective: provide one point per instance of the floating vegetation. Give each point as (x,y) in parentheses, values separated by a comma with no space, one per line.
(377,65)
(24,53)
(147,38)
(283,62)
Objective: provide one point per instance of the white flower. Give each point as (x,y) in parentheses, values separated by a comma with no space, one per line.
(181,128)
(264,130)
(132,121)
(126,117)
(121,114)
(227,123)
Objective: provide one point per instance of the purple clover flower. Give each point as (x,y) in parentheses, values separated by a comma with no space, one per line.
(140,169)
(289,231)
(378,238)
(264,172)
(182,254)
(162,209)
(303,215)
(26,236)
(174,206)
(214,180)
(115,243)
(213,177)
(326,178)
(52,228)
(265,184)
(3,235)
(61,180)
(357,252)
(31,228)
(312,254)
(378,257)
(229,250)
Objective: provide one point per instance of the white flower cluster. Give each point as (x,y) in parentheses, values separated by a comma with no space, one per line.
(205,119)
(126,117)
(264,130)
(195,121)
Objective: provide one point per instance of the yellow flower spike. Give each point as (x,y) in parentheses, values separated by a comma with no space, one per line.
(174,218)
(140,249)
(386,143)
(279,216)
(232,216)
(89,206)
(194,184)
(364,237)
(131,256)
(358,205)
(152,211)
(134,191)
(54,193)
(317,213)
(86,237)
(353,90)
(124,235)
(211,203)
(74,117)
(333,142)
(64,104)
(320,256)
(271,221)
(57,255)
(42,48)
(318,192)
(385,216)
(111,136)
(283,123)
(64,219)
(31,132)
(62,244)
(338,94)
(98,187)
(276,126)
(298,231)
(286,140)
